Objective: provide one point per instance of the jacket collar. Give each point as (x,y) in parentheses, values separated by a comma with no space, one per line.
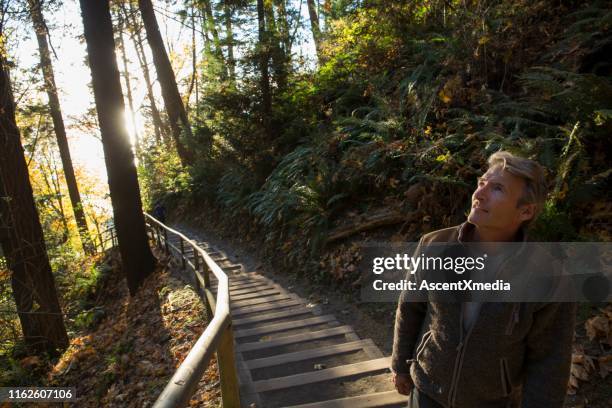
(466,231)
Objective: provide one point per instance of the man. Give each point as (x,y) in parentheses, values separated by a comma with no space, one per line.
(479,355)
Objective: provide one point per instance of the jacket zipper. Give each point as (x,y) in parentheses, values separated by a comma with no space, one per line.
(514,320)
(452,393)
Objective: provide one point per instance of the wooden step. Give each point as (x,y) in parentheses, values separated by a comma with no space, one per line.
(260,318)
(254,289)
(327,374)
(253,302)
(255,295)
(294,301)
(296,338)
(378,399)
(279,327)
(332,350)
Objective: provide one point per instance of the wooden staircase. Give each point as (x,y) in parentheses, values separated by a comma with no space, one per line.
(289,354)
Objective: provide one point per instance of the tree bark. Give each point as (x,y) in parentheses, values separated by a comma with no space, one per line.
(279,62)
(58,124)
(212,28)
(22,237)
(158,124)
(138,261)
(126,76)
(193,83)
(231,60)
(314,26)
(172,99)
(263,66)
(284,27)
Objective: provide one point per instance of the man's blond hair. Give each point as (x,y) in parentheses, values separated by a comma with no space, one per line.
(529,170)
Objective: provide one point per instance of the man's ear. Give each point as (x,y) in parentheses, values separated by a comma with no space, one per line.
(527,212)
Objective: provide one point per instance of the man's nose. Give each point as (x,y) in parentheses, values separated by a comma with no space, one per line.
(480,193)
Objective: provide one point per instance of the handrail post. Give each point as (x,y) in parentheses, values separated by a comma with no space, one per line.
(196,267)
(206,274)
(183,263)
(230,394)
(158,236)
(166,241)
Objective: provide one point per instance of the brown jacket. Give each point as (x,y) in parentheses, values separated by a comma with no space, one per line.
(514,355)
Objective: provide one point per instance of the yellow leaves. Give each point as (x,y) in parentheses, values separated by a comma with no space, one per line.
(483,40)
(443,157)
(450,90)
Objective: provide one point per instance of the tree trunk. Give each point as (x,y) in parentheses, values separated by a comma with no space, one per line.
(279,62)
(231,60)
(193,83)
(58,124)
(263,66)
(22,240)
(212,28)
(128,87)
(138,261)
(172,99)
(314,26)
(158,124)
(284,27)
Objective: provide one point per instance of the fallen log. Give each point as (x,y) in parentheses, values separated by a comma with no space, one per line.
(383,218)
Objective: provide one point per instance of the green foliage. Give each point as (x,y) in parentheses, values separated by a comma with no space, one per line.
(409,94)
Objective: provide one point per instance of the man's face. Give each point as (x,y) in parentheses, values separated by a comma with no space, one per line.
(494,202)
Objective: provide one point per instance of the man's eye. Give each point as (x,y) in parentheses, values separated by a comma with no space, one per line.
(498,188)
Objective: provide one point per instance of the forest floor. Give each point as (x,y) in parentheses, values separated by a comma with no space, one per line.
(128,358)
(591,379)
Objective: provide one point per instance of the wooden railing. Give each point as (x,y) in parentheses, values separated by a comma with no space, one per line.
(217,337)
(106,236)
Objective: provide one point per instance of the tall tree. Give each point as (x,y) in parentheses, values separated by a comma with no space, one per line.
(283,23)
(229,39)
(126,75)
(193,83)
(22,240)
(138,261)
(58,123)
(279,63)
(264,56)
(130,18)
(314,26)
(172,98)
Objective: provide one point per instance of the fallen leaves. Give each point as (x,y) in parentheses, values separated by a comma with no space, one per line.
(599,361)
(130,356)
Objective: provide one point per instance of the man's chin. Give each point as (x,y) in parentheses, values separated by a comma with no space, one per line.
(474,219)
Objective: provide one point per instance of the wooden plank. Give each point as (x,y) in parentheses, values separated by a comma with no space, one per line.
(252,302)
(306,354)
(239,280)
(255,295)
(266,307)
(296,338)
(260,318)
(253,289)
(327,374)
(379,399)
(279,327)
(372,350)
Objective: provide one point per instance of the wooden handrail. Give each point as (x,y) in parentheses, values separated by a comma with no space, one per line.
(217,337)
